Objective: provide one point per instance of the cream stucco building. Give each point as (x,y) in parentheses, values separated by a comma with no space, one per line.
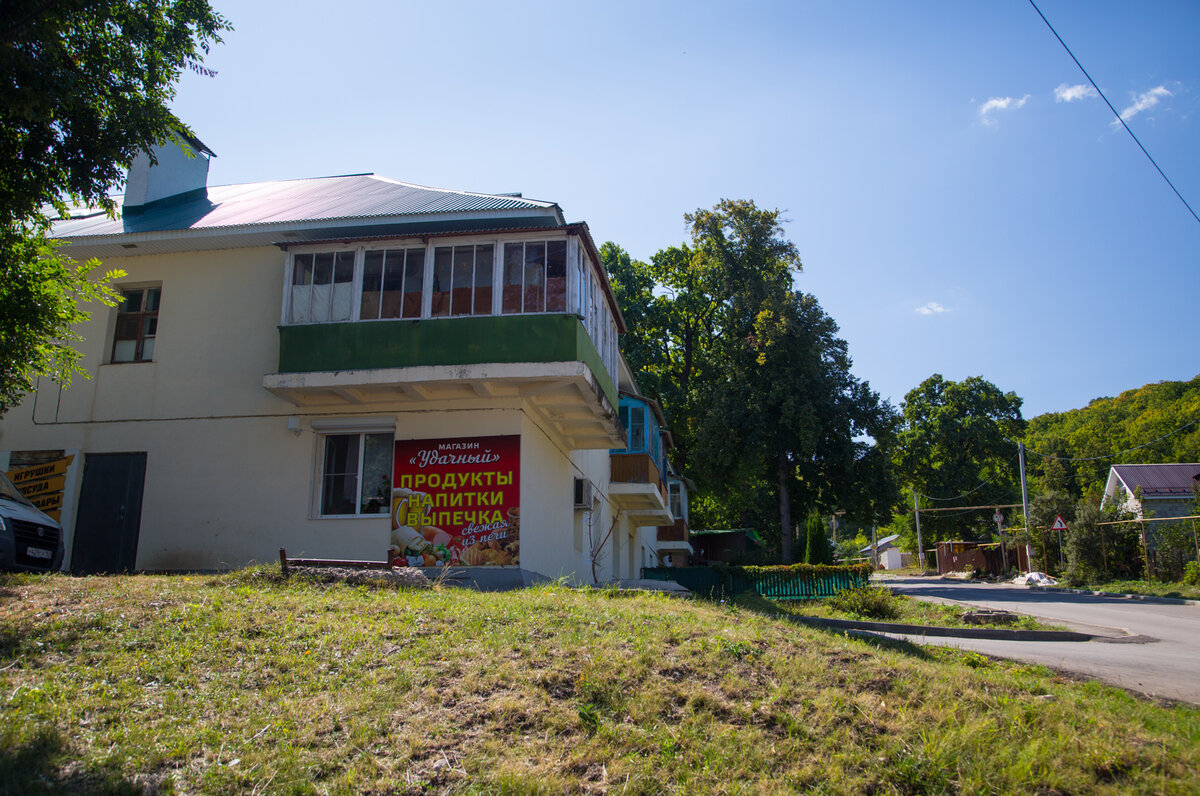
(348,367)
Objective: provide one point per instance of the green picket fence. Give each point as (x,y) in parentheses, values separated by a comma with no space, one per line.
(775,583)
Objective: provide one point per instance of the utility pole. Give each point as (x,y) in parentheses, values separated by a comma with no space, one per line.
(875,547)
(998,518)
(920,545)
(1025,494)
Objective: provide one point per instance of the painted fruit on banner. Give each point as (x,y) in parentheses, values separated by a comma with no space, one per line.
(456,501)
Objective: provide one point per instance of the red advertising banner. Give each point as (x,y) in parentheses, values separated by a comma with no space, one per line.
(456,501)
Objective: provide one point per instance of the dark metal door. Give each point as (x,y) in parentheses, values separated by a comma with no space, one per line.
(109,514)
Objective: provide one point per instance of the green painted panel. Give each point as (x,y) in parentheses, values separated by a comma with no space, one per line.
(441,341)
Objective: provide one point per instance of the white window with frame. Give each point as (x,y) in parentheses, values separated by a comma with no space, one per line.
(322,287)
(355,478)
(535,277)
(393,283)
(582,281)
(137,325)
(437,281)
(462,280)
(678,500)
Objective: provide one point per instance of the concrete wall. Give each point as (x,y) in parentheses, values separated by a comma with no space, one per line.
(227,482)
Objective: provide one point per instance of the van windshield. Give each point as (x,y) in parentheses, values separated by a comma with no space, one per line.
(10,492)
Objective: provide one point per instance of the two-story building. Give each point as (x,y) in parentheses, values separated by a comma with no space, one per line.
(349,367)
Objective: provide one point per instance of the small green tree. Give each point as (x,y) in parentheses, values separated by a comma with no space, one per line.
(1102,543)
(42,295)
(817,550)
(1043,510)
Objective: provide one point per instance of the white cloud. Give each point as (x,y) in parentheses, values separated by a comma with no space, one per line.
(1065,93)
(932,308)
(1000,104)
(1144,102)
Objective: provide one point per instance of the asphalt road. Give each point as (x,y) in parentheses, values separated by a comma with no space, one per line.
(1149,646)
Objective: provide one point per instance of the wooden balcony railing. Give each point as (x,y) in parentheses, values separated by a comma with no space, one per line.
(636,468)
(678,532)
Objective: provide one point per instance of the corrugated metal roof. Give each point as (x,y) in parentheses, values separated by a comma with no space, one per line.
(1159,480)
(354,196)
(882,544)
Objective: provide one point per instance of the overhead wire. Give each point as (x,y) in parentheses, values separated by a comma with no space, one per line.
(1115,113)
(1110,457)
(973,491)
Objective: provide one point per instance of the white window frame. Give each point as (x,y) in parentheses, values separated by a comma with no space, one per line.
(430,245)
(360,269)
(355,284)
(144,288)
(338,427)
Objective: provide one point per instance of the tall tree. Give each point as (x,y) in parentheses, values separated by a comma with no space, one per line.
(767,416)
(956,447)
(633,286)
(86,88)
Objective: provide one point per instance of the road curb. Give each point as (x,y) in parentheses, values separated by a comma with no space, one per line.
(998,633)
(1143,597)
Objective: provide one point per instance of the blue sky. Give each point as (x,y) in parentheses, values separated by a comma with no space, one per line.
(961,203)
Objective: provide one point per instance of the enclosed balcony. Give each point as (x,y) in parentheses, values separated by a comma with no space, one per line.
(546,361)
(461,317)
(636,477)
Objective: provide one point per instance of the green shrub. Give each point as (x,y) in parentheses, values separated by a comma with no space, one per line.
(871,602)
(855,570)
(1191,573)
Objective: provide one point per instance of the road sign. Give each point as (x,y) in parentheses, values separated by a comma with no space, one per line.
(997,518)
(1058,525)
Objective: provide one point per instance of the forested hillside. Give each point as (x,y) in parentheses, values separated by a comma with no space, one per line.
(1119,426)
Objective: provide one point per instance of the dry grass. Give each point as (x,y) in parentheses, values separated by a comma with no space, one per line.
(240,684)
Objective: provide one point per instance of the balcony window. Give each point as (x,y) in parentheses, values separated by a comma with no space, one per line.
(393,284)
(446,279)
(535,277)
(462,280)
(634,420)
(322,287)
(678,500)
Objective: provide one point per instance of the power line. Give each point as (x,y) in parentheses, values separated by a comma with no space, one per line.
(1112,456)
(1114,110)
(976,489)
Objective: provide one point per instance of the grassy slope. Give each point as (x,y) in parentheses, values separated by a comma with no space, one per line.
(900,609)
(1175,590)
(234,684)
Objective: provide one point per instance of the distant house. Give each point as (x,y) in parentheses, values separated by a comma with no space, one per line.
(1167,490)
(890,556)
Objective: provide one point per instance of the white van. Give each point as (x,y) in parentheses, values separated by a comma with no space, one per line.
(29,540)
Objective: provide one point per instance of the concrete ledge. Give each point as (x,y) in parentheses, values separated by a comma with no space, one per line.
(1154,598)
(487,578)
(1002,634)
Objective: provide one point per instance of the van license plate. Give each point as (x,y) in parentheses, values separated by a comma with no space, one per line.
(37,552)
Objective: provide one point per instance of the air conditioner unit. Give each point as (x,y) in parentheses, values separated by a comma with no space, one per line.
(583,493)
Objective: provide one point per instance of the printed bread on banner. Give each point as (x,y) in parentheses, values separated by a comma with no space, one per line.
(456,501)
